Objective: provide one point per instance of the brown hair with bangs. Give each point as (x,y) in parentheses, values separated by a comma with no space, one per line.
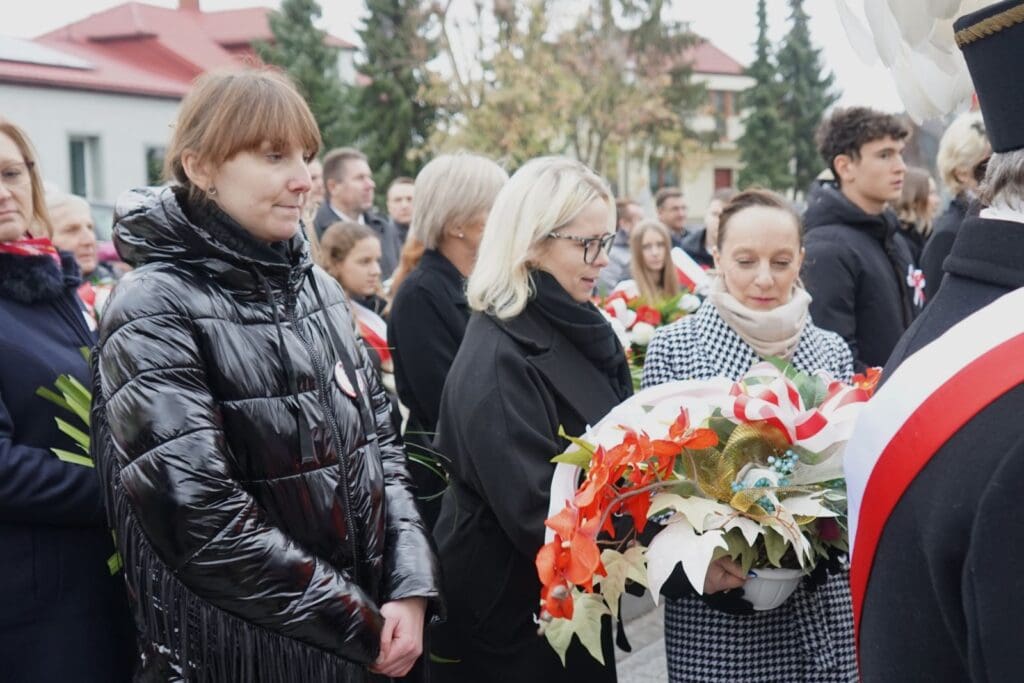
(229,112)
(40,216)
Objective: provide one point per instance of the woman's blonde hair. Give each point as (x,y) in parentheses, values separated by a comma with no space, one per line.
(653,286)
(544,195)
(238,111)
(451,191)
(40,224)
(963,146)
(912,207)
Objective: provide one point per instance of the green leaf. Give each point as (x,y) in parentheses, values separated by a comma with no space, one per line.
(738,549)
(621,567)
(114,563)
(813,391)
(577,458)
(785,367)
(588,608)
(78,397)
(79,437)
(74,458)
(775,546)
(53,397)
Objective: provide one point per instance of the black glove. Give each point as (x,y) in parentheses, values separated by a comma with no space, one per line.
(730,601)
(827,566)
(677,586)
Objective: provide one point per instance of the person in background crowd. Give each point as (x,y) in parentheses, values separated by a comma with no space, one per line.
(938,571)
(916,209)
(756,309)
(65,616)
(454,193)
(858,275)
(671,207)
(351,255)
(700,243)
(651,263)
(399,200)
(627,214)
(74,232)
(349,188)
(963,151)
(260,495)
(537,356)
(312,205)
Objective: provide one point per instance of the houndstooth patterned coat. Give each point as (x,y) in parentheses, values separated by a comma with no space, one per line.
(809,637)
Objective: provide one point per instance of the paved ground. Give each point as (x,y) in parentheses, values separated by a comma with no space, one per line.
(644,628)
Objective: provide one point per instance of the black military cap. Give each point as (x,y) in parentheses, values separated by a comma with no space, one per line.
(992,40)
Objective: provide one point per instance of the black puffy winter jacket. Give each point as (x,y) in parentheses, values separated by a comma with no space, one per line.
(260,524)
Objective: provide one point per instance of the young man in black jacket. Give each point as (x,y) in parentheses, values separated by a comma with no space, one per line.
(862,280)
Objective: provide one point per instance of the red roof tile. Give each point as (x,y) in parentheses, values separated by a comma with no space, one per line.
(146,50)
(709,59)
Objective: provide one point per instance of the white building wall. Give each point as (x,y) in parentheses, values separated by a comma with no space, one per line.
(124,125)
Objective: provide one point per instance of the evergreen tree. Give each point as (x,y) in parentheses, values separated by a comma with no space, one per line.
(300,50)
(808,95)
(765,144)
(393,119)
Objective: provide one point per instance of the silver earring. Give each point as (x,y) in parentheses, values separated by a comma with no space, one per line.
(461,235)
(212,191)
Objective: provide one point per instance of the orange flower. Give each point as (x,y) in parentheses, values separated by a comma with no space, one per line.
(646,314)
(868,381)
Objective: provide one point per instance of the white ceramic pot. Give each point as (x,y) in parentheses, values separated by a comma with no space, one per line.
(769,587)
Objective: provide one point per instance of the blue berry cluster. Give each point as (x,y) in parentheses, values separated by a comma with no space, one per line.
(784,465)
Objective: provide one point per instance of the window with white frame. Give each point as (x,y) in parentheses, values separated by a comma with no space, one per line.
(86,169)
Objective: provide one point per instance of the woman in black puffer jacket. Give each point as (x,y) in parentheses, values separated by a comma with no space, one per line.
(260,496)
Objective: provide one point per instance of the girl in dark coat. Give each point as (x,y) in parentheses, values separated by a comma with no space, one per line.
(537,356)
(454,192)
(262,504)
(63,617)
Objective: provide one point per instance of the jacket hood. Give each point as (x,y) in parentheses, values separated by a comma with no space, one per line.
(151,225)
(826,205)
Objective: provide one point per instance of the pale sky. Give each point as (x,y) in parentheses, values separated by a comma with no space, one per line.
(721,21)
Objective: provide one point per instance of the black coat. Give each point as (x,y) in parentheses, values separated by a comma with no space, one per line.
(513,384)
(428,321)
(63,617)
(944,598)
(274,509)
(941,241)
(387,232)
(856,274)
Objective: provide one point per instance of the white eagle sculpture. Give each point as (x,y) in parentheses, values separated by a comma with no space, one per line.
(914,39)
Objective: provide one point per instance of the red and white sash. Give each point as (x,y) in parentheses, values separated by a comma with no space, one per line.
(689,272)
(374,330)
(926,400)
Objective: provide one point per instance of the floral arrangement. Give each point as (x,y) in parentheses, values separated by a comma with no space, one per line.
(635,319)
(749,469)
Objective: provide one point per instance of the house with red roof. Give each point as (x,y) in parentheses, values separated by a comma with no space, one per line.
(704,169)
(98,96)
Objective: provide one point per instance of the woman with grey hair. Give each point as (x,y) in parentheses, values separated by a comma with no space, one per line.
(537,357)
(454,193)
(963,151)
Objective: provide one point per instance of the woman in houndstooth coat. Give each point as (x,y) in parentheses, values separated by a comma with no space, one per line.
(756,308)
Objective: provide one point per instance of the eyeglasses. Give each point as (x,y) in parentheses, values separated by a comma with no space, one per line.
(16,175)
(592,246)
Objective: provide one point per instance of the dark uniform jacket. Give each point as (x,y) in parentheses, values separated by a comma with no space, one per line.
(856,273)
(255,487)
(945,596)
(63,617)
(513,384)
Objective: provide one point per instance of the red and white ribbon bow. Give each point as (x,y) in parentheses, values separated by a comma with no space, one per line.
(915,279)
